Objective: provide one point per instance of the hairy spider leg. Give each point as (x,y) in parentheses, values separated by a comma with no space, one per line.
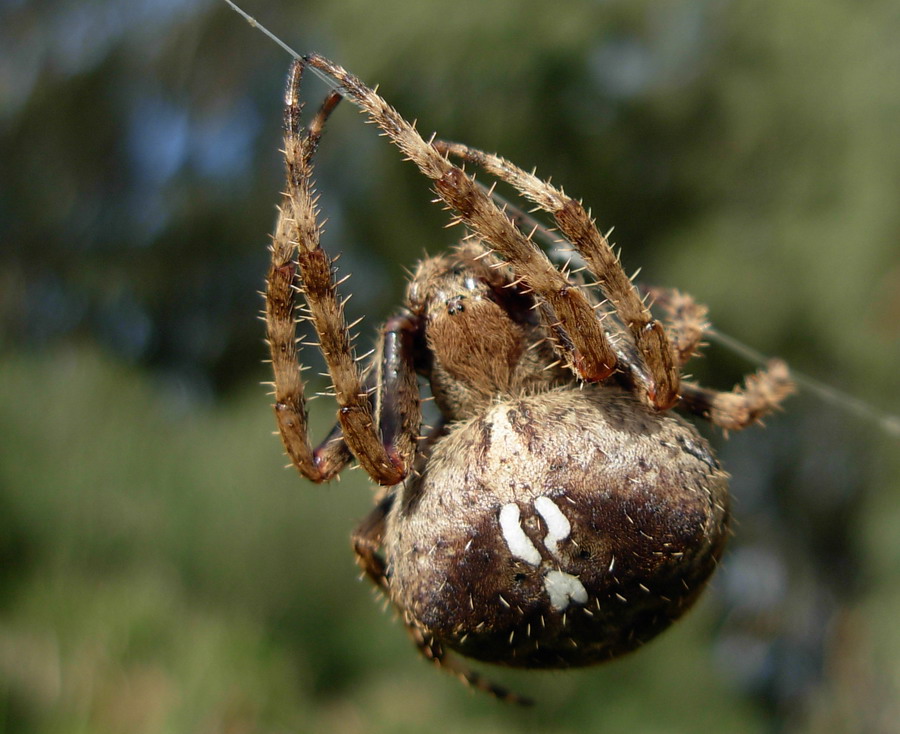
(663,351)
(324,462)
(393,390)
(761,394)
(398,406)
(687,326)
(366,540)
(658,377)
(571,319)
(296,246)
(686,322)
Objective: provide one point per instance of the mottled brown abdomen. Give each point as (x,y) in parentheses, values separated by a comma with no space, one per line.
(560,529)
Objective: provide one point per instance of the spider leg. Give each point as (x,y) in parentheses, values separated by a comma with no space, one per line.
(686,321)
(368,536)
(397,398)
(392,382)
(291,413)
(297,236)
(434,651)
(761,394)
(366,540)
(658,377)
(576,327)
(332,454)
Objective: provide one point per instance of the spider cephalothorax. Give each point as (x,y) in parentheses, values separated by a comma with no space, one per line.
(559,514)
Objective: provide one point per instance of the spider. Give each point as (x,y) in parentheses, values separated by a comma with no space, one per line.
(559,514)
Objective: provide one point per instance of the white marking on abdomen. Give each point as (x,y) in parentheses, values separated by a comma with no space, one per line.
(519,544)
(562,588)
(558,526)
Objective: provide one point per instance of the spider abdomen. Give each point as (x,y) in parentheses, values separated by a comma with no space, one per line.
(558,529)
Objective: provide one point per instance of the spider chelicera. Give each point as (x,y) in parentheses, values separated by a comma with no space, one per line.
(559,514)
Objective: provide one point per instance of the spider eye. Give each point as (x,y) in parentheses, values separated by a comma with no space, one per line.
(455,305)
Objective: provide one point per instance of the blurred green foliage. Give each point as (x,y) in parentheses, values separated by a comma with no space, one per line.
(162,572)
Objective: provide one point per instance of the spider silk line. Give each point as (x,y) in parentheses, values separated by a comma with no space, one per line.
(329,80)
(887,422)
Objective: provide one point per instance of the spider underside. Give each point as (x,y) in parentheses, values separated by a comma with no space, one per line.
(559,514)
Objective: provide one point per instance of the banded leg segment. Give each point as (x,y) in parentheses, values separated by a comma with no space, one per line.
(367,539)
(398,406)
(291,413)
(434,651)
(393,390)
(686,321)
(297,236)
(761,394)
(659,381)
(579,335)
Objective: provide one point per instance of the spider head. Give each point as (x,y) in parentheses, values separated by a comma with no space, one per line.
(477,322)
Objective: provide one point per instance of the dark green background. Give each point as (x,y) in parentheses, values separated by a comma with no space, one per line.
(161,572)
